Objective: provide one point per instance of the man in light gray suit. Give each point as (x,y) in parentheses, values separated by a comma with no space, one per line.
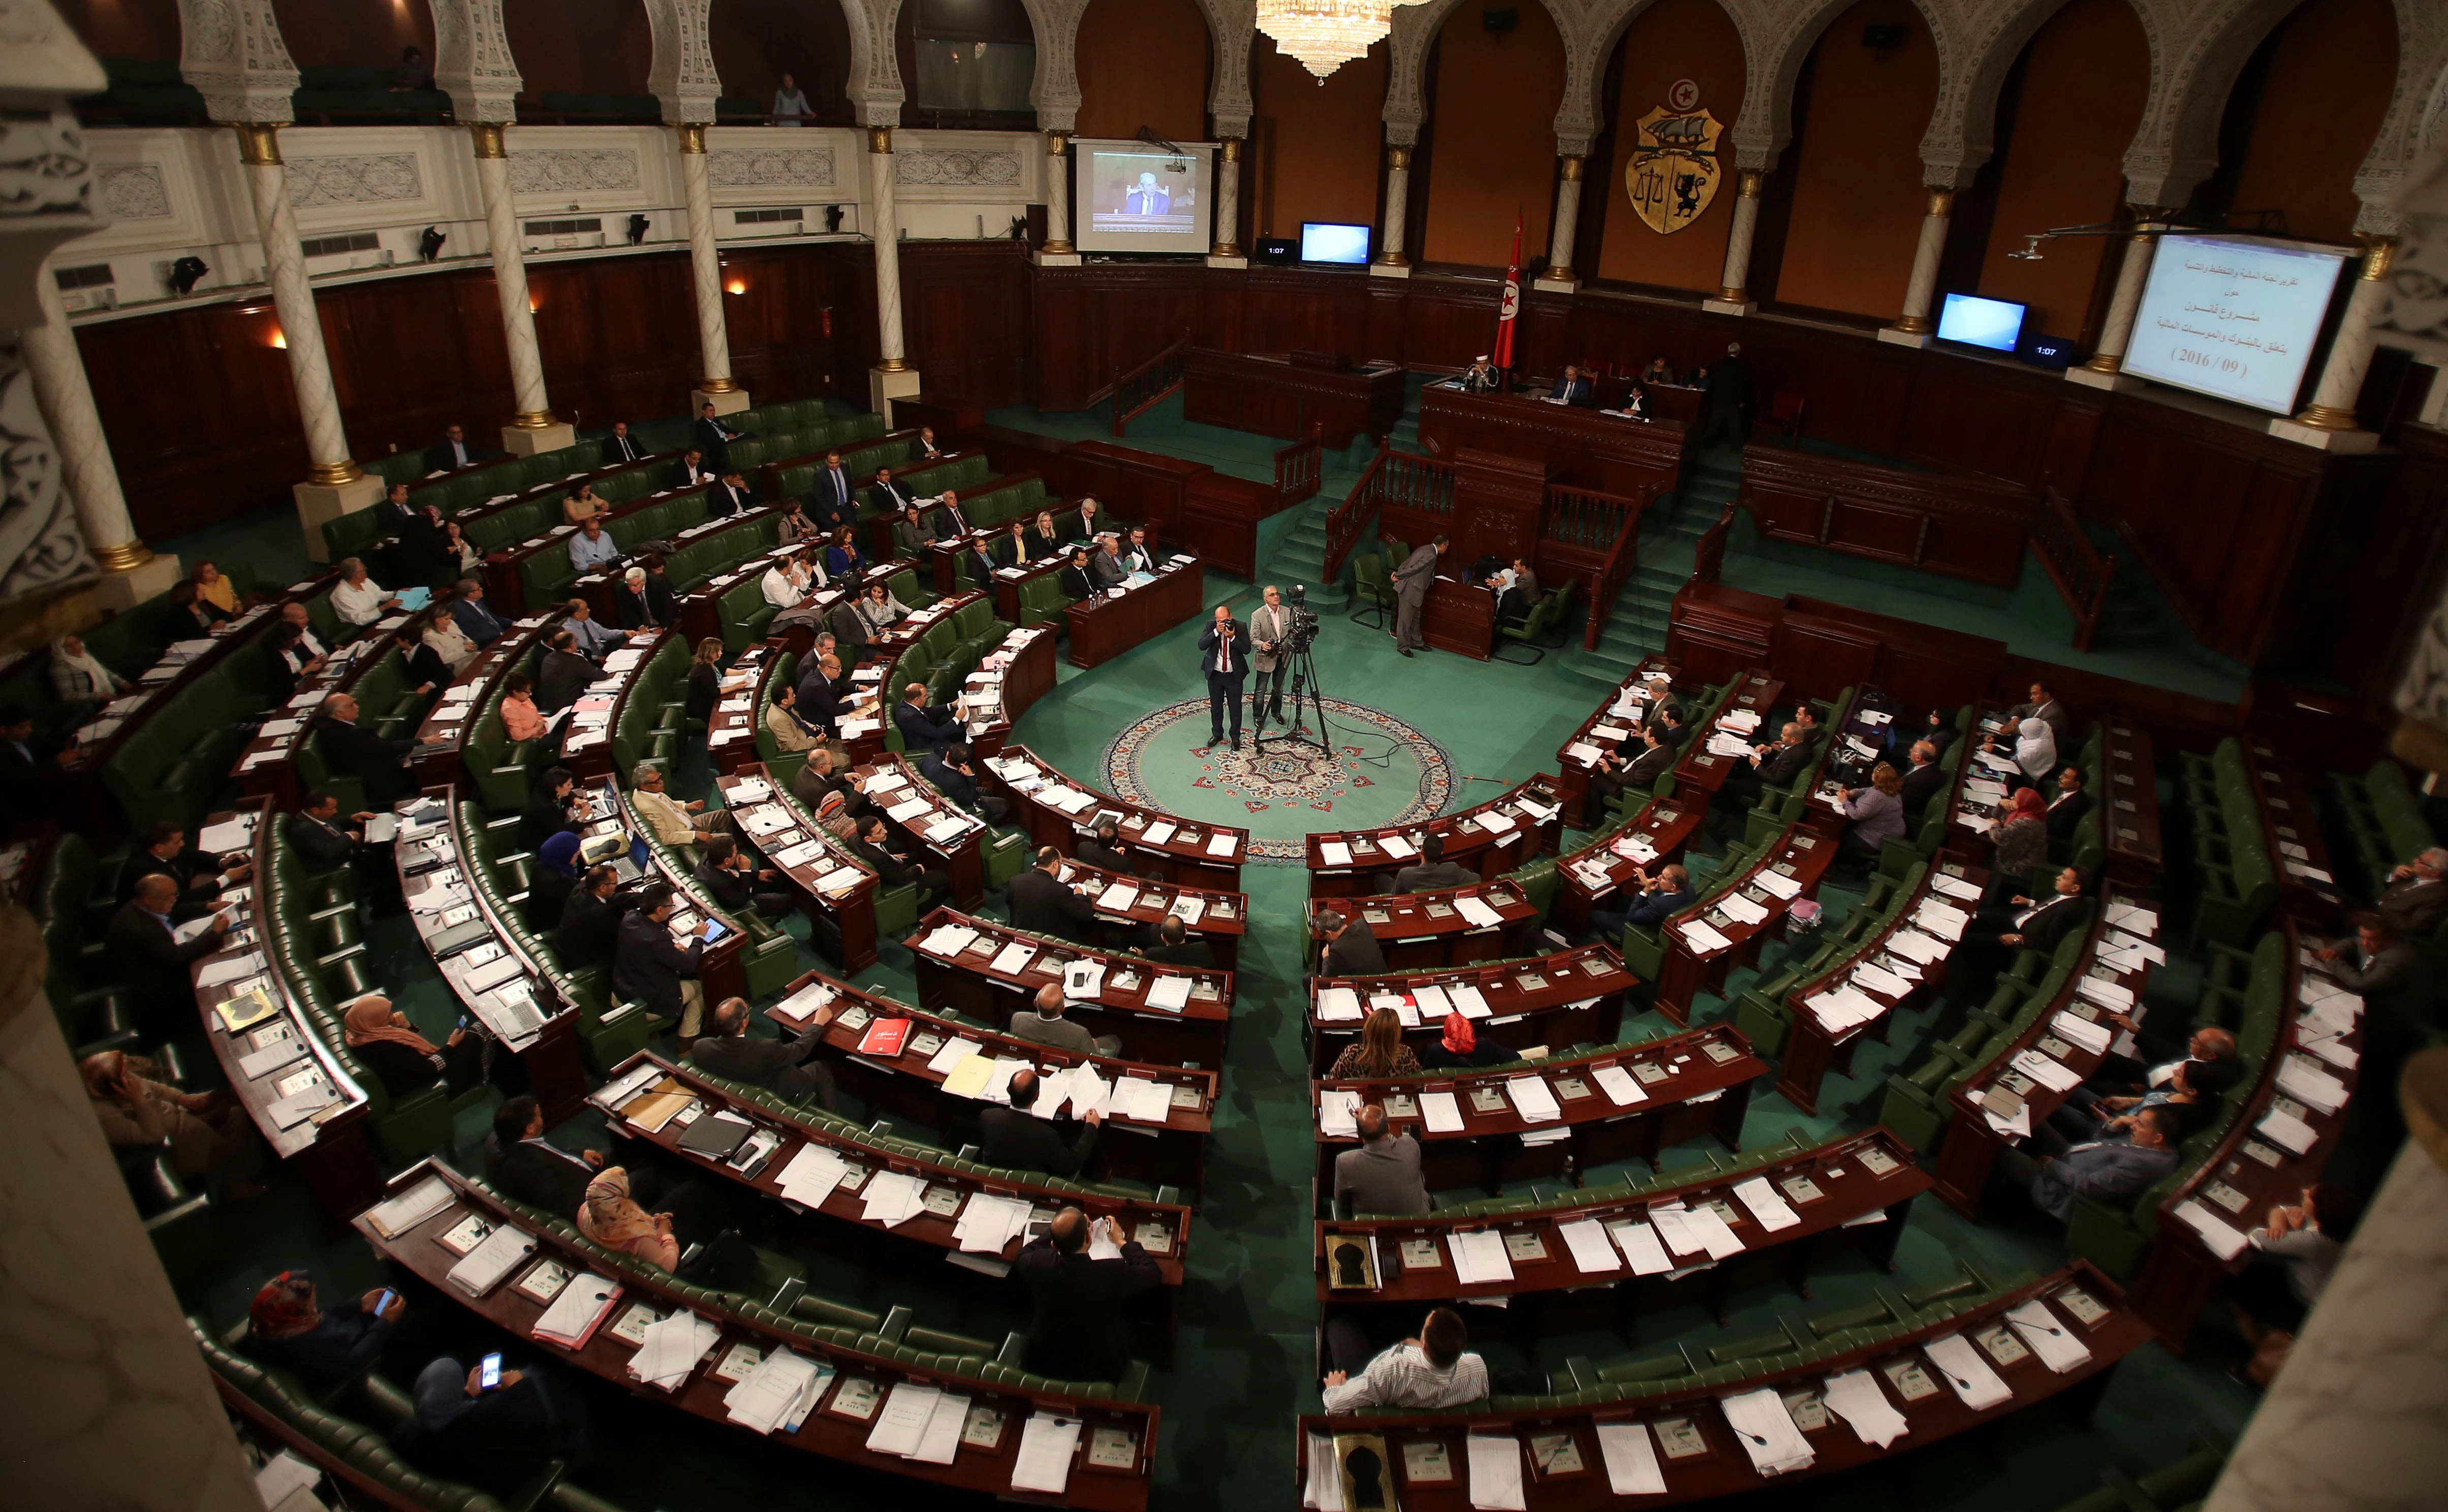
(1411,581)
(1383,1175)
(1269,624)
(2106,1169)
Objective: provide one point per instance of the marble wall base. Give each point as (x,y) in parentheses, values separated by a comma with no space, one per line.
(116,591)
(520,442)
(885,385)
(319,502)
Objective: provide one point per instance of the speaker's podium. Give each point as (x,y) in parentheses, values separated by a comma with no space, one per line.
(1496,502)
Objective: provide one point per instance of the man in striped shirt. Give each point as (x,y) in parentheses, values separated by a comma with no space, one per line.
(1425,1374)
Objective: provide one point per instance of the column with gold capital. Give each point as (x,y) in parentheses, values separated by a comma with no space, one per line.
(2117,329)
(1228,202)
(891,378)
(1568,218)
(1391,262)
(2328,422)
(1913,326)
(534,429)
(1734,294)
(1057,194)
(705,273)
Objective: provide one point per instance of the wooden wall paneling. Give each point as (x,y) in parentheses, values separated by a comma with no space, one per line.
(2073,436)
(1715,632)
(1958,524)
(968,307)
(1497,500)
(199,413)
(1818,656)
(1443,323)
(1981,416)
(2392,571)
(1388,338)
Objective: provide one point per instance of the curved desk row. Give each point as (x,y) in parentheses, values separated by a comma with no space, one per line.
(1564,998)
(1058,811)
(1490,839)
(992,970)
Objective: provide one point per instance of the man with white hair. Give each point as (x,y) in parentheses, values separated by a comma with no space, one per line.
(1147,198)
(2416,899)
(631,604)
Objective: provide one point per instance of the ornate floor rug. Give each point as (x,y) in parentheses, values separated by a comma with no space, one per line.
(1375,771)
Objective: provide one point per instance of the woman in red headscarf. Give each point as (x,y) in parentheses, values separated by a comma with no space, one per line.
(2021,838)
(1461,1047)
(322,1346)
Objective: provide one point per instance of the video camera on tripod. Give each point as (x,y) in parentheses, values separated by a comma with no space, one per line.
(1299,640)
(1303,633)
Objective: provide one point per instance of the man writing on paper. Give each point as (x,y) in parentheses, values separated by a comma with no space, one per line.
(1078,1332)
(1017,1139)
(785,1067)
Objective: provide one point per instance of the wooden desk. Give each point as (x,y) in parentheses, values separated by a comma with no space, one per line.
(330,1147)
(585,744)
(1693,1084)
(1524,827)
(1277,397)
(1104,627)
(1965,524)
(1755,692)
(834,886)
(739,707)
(266,767)
(701,617)
(440,755)
(2307,886)
(1012,677)
(1857,1185)
(1562,998)
(1804,856)
(2130,791)
(1812,1046)
(1458,618)
(2249,1173)
(1430,928)
(417,1250)
(1969,1149)
(1627,709)
(969,980)
(1723,1470)
(1640,459)
(1188,852)
(1661,829)
(1174,1150)
(1223,917)
(893,784)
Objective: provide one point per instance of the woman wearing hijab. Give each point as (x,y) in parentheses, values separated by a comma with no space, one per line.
(1378,1052)
(403,1059)
(1461,1047)
(613,1220)
(553,880)
(80,678)
(324,1346)
(2022,837)
(832,812)
(2034,751)
(204,1132)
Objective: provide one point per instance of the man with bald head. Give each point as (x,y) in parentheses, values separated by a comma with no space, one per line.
(1017,1139)
(1224,657)
(375,760)
(2416,899)
(1044,1024)
(1383,1175)
(1076,1333)
(145,950)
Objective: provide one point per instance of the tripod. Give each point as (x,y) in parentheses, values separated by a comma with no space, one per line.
(1303,670)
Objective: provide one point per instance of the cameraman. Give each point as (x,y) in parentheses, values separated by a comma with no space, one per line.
(1269,628)
(1224,656)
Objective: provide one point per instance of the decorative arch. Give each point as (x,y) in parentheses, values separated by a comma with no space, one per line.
(874,83)
(1054,89)
(1963,130)
(2414,119)
(1232,27)
(2177,145)
(1588,46)
(1415,32)
(1766,124)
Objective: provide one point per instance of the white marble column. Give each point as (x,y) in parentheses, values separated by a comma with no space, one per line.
(2117,328)
(705,272)
(2357,1419)
(1914,325)
(131,573)
(1734,296)
(534,429)
(1390,260)
(2332,408)
(1568,219)
(1227,205)
(893,378)
(1057,194)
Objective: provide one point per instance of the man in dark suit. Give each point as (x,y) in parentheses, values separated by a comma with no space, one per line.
(950,521)
(2067,809)
(423,553)
(1433,870)
(450,451)
(2388,972)
(1650,903)
(818,697)
(1411,581)
(562,675)
(729,496)
(1615,775)
(1138,556)
(735,881)
(373,759)
(1575,389)
(2039,924)
(1073,577)
(849,631)
(588,934)
(890,495)
(713,436)
(649,966)
(1778,764)
(1076,1333)
(1924,778)
(475,618)
(316,833)
(1174,947)
(25,764)
(421,666)
(832,499)
(1668,722)
(520,1162)
(1087,522)
(949,769)
(632,606)
(786,1068)
(927,447)
(1016,1140)
(1224,657)
(693,471)
(2415,898)
(2105,1169)
(394,514)
(1042,904)
(659,592)
(1104,849)
(161,849)
(925,726)
(896,868)
(621,446)
(145,951)
(1347,949)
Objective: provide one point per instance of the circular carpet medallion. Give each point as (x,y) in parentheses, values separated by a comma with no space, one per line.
(1282,791)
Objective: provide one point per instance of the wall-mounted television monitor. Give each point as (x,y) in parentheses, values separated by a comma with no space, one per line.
(1325,242)
(2235,319)
(1997,324)
(1133,196)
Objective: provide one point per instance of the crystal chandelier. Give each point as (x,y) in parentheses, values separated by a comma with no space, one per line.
(1326,34)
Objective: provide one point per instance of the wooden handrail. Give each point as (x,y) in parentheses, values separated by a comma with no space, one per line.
(1143,388)
(1708,552)
(1350,517)
(1622,560)
(1299,469)
(2077,567)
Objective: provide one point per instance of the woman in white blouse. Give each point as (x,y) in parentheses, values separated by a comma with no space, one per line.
(358,599)
(447,640)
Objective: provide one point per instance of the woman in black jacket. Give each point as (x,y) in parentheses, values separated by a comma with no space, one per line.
(403,1060)
(706,681)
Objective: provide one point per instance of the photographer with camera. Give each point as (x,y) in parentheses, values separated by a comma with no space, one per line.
(1224,655)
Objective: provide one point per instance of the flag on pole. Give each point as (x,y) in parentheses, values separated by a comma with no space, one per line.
(1510,305)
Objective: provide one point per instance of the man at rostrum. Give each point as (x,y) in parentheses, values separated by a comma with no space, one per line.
(784,1066)
(1224,656)
(1269,623)
(1078,1332)
(1412,580)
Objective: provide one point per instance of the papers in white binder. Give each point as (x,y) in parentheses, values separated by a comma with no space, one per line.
(1741,909)
(1844,1008)
(1169,993)
(1496,821)
(1744,721)
(1591,1249)
(2224,1238)
(1967,1372)
(1014,957)
(1432,1002)
(902,1422)
(1699,936)
(1441,1112)
(1609,732)
(1855,1397)
(1642,1248)
(1496,1473)
(1631,1460)
(1223,844)
(1778,885)
(482,1269)
(2091,1037)
(1621,1087)
(395,1216)
(1046,1444)
(1118,897)
(991,1222)
(1767,1430)
(949,939)
(1467,1000)
(906,809)
(1534,1100)
(1334,852)
(1335,1110)
(1478,913)
(1479,1256)
(1188,908)
(812,1175)
(1728,745)
(781,1387)
(1766,1205)
(2049,1338)
(1337,1004)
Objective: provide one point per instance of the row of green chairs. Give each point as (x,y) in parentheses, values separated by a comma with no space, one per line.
(386,704)
(1552,615)
(943,656)
(792,474)
(1916,1102)
(2383,820)
(896,909)
(1624,1189)
(1764,1014)
(1924,832)
(127,643)
(2236,880)
(794,430)
(653,712)
(610,1032)
(1780,809)
(545,573)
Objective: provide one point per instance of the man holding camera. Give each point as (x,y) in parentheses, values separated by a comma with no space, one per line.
(1269,628)
(1224,656)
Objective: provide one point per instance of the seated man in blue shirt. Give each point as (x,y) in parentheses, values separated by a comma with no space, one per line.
(592,547)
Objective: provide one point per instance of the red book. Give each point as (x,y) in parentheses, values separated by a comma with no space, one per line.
(885,1036)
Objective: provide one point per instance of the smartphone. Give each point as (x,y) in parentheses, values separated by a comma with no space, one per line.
(467,1021)
(384,1300)
(488,1373)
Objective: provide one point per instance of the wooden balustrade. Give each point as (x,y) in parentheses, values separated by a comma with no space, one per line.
(1708,552)
(2080,572)
(1299,469)
(1350,517)
(1623,558)
(1143,388)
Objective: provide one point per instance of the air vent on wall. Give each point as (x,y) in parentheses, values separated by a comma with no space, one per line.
(593,225)
(91,287)
(561,235)
(758,217)
(340,246)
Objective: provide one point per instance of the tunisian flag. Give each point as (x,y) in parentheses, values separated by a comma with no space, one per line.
(1510,305)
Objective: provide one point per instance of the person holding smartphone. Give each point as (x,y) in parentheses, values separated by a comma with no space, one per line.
(492,1425)
(322,1346)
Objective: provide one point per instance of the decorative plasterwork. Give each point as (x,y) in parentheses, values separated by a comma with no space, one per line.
(992,169)
(472,61)
(573,170)
(231,52)
(134,191)
(370,178)
(682,77)
(757,167)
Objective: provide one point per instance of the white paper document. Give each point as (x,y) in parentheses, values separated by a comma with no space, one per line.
(1478,1257)
(1631,1460)
(893,1197)
(1593,1252)
(1534,1099)
(1621,1087)
(1441,1112)
(1967,1372)
(1496,1473)
(1766,1205)
(1640,1247)
(1767,1430)
(2047,1336)
(1047,1445)
(2224,1239)
(1855,1397)
(1335,1108)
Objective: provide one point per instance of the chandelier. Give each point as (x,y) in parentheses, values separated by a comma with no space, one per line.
(1326,34)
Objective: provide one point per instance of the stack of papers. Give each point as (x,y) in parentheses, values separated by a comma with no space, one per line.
(1441,1112)
(1478,1257)
(1467,1000)
(1915,946)
(1766,1205)
(2090,1035)
(1741,909)
(1496,1473)
(668,1356)
(990,1222)
(893,1197)
(1967,1372)
(811,1176)
(1760,1419)
(1699,936)
(395,1216)
(1942,919)
(1534,1100)
(482,1268)
(920,1423)
(1631,1460)
(1047,1445)
(2047,1072)
(2224,1238)
(1695,1231)
(1477,912)
(1138,1098)
(1855,1397)
(1621,1086)
(2048,1338)
(2303,1081)
(1335,1110)
(1844,1008)
(779,1393)
(1592,1250)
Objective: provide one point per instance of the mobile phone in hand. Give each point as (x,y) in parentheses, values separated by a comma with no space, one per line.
(385,1300)
(488,1373)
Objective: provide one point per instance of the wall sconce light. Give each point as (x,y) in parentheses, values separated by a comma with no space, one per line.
(535,301)
(280,339)
(735,286)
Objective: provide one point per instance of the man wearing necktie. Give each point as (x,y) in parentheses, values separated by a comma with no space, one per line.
(622,449)
(1224,655)
(829,502)
(950,524)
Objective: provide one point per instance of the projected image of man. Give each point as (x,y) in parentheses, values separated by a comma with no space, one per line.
(1147,196)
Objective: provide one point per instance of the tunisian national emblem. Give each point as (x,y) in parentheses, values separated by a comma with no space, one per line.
(1672,173)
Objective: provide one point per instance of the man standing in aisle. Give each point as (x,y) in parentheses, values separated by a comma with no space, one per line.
(1224,656)
(1268,627)
(1411,581)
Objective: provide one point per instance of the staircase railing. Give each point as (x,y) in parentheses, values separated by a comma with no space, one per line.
(1708,552)
(1587,518)
(2077,567)
(1622,560)
(1299,469)
(1349,519)
(1143,388)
